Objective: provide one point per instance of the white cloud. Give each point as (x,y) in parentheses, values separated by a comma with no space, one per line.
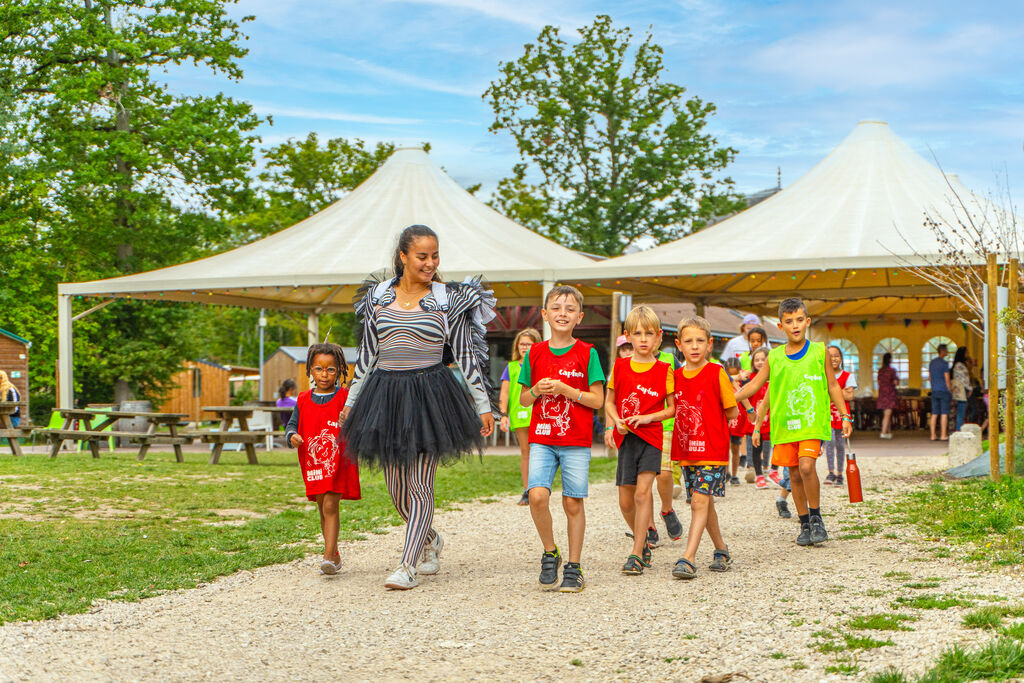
(530,15)
(320,115)
(883,51)
(401,77)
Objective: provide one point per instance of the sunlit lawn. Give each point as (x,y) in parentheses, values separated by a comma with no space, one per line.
(77,529)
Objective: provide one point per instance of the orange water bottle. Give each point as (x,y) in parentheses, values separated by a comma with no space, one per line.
(852,475)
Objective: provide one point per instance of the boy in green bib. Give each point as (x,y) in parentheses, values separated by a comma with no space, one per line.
(801,385)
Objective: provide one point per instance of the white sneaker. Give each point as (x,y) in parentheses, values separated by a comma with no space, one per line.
(403,579)
(430,558)
(677,491)
(330,568)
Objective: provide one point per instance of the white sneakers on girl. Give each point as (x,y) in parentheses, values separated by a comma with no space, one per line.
(430,561)
(330,568)
(403,579)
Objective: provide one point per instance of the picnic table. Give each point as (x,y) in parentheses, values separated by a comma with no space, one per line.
(95,433)
(228,415)
(7,428)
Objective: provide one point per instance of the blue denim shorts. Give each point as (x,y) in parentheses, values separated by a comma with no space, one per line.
(941,401)
(574,461)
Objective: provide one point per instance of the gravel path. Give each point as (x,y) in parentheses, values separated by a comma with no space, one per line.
(483,616)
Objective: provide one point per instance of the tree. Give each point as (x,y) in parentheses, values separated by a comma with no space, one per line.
(620,154)
(136,177)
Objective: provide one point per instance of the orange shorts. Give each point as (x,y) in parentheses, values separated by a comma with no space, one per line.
(789,454)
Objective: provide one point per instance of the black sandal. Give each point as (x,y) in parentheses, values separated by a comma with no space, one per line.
(634,566)
(684,569)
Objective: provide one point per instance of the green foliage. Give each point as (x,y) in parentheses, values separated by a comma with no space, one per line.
(881,622)
(79,529)
(112,173)
(991,616)
(986,516)
(929,601)
(620,154)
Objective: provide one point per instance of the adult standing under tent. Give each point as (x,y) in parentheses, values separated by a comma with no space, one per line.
(406,413)
(888,399)
(938,375)
(739,346)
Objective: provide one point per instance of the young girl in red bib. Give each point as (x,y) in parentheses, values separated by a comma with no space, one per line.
(313,429)
(835,453)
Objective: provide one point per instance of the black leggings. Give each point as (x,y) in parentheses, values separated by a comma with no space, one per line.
(759,456)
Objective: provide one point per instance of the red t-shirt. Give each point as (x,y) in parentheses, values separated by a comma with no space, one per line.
(325,469)
(701,435)
(837,419)
(558,420)
(755,401)
(641,393)
(741,425)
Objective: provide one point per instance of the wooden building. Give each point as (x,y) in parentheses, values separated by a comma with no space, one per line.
(14,361)
(202,383)
(289,362)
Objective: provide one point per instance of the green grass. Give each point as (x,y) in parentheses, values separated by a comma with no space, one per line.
(919,585)
(849,642)
(843,669)
(929,601)
(778,655)
(991,616)
(576,662)
(798,665)
(899,576)
(1000,660)
(983,519)
(881,622)
(76,529)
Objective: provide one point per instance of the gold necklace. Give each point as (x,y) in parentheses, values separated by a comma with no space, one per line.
(408,305)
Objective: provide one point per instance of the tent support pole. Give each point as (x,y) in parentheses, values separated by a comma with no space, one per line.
(546,286)
(1012,281)
(699,307)
(992,368)
(313,328)
(65,350)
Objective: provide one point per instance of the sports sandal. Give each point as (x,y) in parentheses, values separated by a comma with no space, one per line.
(684,569)
(721,562)
(633,567)
(645,559)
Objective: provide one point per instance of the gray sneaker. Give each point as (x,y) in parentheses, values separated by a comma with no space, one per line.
(430,558)
(549,562)
(672,524)
(805,535)
(783,508)
(818,533)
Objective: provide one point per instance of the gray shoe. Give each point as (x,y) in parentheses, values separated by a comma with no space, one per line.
(783,509)
(818,533)
(805,535)
(549,562)
(430,558)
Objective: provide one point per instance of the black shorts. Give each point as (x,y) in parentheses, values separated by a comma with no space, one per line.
(636,456)
(735,440)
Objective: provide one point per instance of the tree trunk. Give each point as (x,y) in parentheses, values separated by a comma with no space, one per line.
(123,391)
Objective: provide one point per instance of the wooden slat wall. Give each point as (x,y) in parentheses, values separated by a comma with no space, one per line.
(279,367)
(10,362)
(214,387)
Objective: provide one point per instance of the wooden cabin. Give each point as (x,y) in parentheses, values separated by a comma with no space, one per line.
(290,362)
(14,361)
(202,383)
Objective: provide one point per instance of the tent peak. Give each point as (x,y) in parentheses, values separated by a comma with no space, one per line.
(877,122)
(411,148)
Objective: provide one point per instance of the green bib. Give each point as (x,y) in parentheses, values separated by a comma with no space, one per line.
(668,357)
(745,360)
(798,395)
(518,414)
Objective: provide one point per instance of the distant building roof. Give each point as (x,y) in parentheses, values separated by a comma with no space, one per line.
(725,322)
(15,337)
(298,353)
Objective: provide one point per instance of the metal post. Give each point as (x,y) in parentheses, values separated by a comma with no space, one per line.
(992,367)
(263,327)
(312,328)
(65,354)
(1011,366)
(546,286)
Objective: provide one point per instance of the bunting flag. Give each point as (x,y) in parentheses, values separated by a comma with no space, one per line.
(924,323)
(863,324)
(949,324)
(906,322)
(830,326)
(846,325)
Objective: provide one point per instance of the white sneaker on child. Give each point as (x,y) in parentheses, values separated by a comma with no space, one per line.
(403,579)
(329,568)
(430,561)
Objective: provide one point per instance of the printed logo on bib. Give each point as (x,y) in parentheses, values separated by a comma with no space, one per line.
(631,405)
(554,409)
(793,425)
(801,404)
(322,453)
(564,372)
(690,427)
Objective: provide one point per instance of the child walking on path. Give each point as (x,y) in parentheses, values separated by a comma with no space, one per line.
(639,397)
(313,430)
(835,452)
(564,383)
(704,404)
(737,425)
(515,416)
(801,383)
(758,441)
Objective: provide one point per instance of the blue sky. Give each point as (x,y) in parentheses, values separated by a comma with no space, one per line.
(790,79)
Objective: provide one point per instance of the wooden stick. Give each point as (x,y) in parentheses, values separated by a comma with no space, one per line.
(1011,368)
(992,362)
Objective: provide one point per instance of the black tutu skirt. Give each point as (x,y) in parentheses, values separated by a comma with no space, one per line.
(400,415)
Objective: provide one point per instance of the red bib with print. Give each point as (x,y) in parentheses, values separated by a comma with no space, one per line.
(325,468)
(701,434)
(640,393)
(559,420)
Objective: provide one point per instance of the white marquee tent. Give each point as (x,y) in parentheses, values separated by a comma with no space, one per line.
(316,265)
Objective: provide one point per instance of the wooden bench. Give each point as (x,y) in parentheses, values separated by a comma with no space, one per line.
(107,418)
(58,436)
(12,434)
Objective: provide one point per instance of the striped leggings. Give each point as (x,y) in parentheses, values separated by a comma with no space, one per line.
(412,491)
(835,451)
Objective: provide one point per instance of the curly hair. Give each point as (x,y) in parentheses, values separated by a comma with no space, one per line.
(328,349)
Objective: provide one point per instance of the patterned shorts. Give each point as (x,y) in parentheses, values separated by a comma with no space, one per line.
(706,479)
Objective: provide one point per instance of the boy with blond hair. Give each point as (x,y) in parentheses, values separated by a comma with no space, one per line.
(704,405)
(801,383)
(563,381)
(639,398)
